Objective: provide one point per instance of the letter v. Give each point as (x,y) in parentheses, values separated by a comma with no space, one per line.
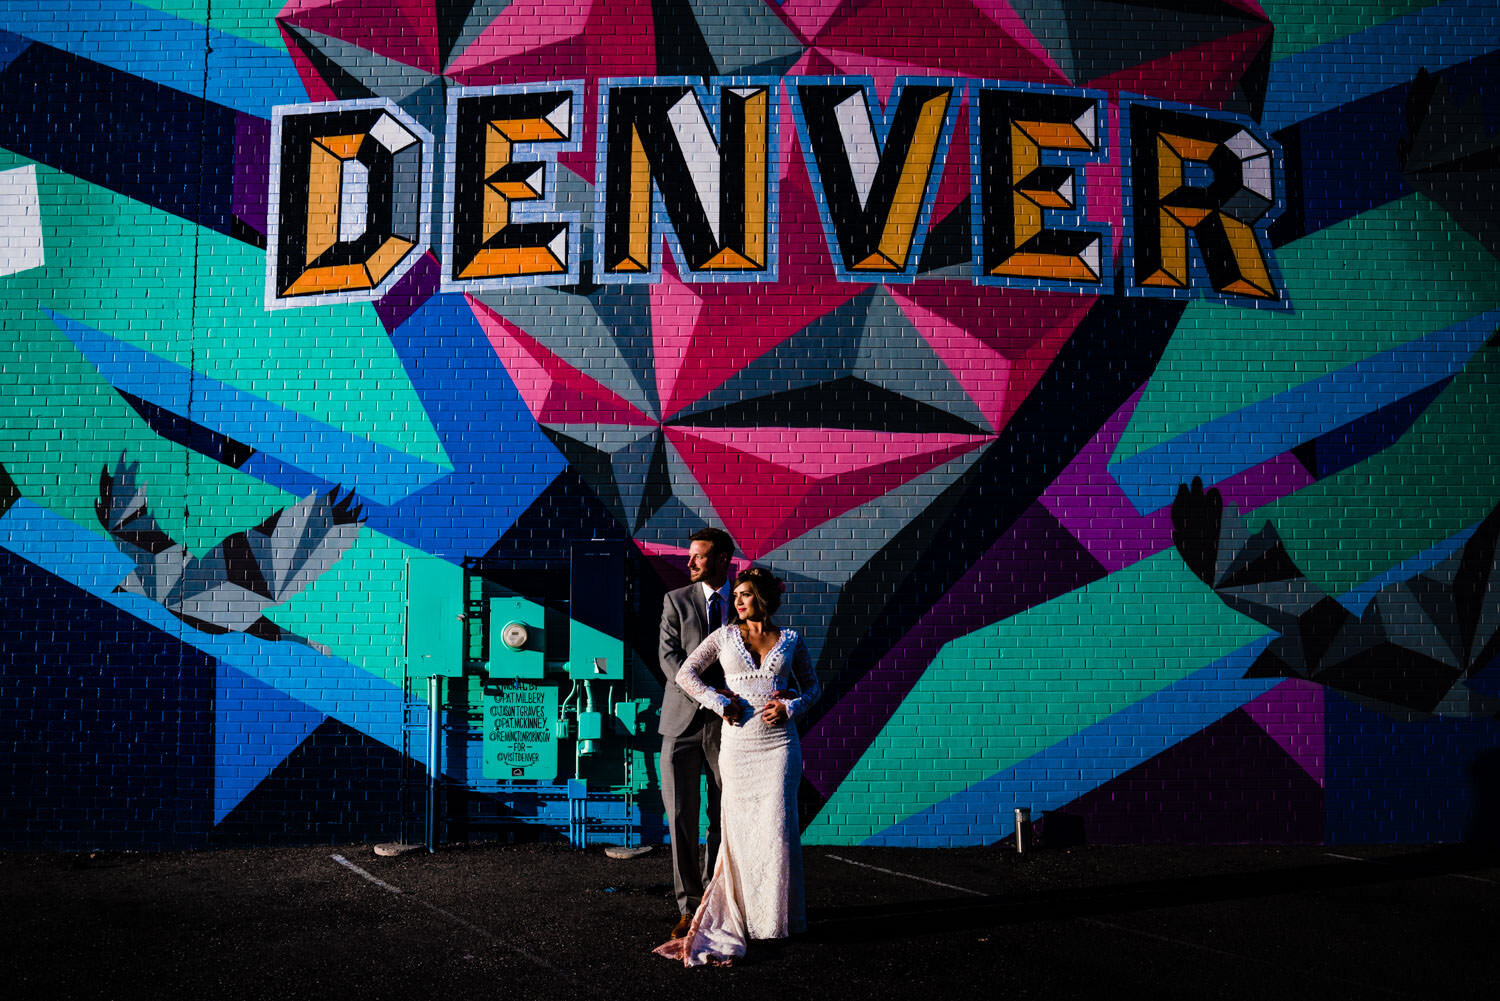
(874,180)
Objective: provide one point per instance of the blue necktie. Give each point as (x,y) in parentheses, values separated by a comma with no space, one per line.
(715,612)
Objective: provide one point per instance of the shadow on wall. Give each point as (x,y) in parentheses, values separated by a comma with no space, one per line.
(1061,829)
(1484,774)
(1057,829)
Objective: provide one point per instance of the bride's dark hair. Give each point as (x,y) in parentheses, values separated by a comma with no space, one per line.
(766,586)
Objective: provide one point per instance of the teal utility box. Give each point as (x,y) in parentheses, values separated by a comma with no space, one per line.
(517,639)
(434,618)
(590,726)
(631,714)
(596,634)
(519,742)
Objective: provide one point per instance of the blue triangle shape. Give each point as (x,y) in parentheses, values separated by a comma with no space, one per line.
(255,728)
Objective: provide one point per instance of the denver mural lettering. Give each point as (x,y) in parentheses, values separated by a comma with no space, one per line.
(694,166)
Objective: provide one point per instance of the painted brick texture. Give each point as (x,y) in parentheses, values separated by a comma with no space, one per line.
(1112,387)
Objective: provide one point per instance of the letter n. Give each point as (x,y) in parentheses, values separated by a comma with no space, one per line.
(672,156)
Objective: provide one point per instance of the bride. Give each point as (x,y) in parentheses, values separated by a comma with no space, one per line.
(756,890)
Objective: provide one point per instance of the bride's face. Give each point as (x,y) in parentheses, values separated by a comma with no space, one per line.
(746,605)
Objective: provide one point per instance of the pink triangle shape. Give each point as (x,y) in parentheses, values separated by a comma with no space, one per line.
(404,31)
(996,341)
(554,391)
(1205,75)
(970,43)
(703,340)
(1014,26)
(527,26)
(808,17)
(770,485)
(954,183)
(1104,186)
(810,63)
(602,38)
(298,8)
(884,71)
(317,88)
(1250,7)
(675,308)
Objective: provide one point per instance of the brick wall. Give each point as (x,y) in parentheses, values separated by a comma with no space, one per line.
(936,311)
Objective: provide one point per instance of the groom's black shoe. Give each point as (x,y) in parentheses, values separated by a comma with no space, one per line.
(681,927)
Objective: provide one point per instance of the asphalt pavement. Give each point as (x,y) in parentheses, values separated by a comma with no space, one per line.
(550,921)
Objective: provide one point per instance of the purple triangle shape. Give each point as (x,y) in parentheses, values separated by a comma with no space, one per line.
(1229,783)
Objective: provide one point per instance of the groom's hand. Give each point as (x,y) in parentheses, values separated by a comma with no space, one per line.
(735,710)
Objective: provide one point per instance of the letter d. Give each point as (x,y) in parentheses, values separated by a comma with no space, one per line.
(350,191)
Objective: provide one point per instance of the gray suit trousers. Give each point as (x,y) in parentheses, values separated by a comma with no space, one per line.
(684,758)
(689,749)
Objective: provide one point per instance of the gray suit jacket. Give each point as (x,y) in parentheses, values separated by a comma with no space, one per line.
(684,624)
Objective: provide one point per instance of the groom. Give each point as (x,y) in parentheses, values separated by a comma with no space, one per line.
(690,733)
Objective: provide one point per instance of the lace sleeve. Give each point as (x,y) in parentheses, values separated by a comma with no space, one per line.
(808,688)
(689,675)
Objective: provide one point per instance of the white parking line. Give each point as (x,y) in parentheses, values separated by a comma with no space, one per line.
(1126,929)
(1275,962)
(906,875)
(1476,879)
(454,918)
(1454,875)
(371,877)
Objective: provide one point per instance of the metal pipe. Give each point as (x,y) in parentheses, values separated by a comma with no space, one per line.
(434,708)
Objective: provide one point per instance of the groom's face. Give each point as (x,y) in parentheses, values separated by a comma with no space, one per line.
(704,565)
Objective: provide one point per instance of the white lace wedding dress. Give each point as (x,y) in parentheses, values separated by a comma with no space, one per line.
(756,891)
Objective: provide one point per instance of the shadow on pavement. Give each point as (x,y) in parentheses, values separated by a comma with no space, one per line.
(893,922)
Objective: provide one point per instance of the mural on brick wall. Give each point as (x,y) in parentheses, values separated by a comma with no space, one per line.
(228,588)
(1110,383)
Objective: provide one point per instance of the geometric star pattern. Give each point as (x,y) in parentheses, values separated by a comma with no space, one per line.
(736,401)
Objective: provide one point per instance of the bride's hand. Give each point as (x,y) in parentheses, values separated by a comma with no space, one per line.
(773,713)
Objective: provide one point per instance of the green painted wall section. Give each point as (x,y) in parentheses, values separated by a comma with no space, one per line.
(1440,477)
(358,608)
(61,422)
(1224,358)
(55,460)
(1302,25)
(355,608)
(254,20)
(1005,692)
(126,269)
